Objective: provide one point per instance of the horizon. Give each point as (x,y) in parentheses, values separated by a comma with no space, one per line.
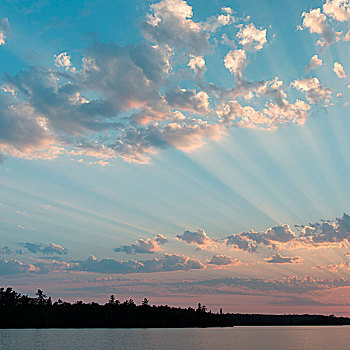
(177,150)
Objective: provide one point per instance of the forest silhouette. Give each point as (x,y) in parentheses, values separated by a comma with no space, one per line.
(22,311)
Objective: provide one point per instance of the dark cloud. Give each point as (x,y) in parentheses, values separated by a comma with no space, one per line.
(279,259)
(222,260)
(241,242)
(290,284)
(11,267)
(44,248)
(167,263)
(198,238)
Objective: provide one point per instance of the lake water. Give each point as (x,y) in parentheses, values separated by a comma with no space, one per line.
(237,338)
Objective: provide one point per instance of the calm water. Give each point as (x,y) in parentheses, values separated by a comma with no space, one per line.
(238,338)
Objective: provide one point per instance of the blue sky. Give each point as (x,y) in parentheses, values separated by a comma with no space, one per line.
(177,144)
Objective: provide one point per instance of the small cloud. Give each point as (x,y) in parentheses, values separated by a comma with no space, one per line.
(199,238)
(252,38)
(314,62)
(4,29)
(141,246)
(12,267)
(279,259)
(48,249)
(222,260)
(63,60)
(339,70)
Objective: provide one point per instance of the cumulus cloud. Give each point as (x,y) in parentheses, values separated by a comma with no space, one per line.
(339,70)
(252,38)
(279,259)
(4,29)
(188,100)
(278,110)
(197,64)
(316,22)
(240,241)
(167,263)
(127,101)
(236,61)
(198,238)
(315,92)
(337,9)
(326,232)
(222,260)
(49,249)
(63,60)
(11,267)
(141,246)
(170,23)
(314,62)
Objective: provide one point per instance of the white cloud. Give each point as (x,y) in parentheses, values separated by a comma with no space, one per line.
(171,23)
(339,70)
(315,92)
(251,37)
(197,64)
(63,60)
(337,9)
(314,62)
(316,22)
(236,61)
(4,29)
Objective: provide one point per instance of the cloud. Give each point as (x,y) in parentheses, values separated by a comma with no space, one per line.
(167,263)
(279,259)
(287,284)
(63,60)
(131,101)
(236,61)
(11,267)
(316,22)
(278,110)
(252,38)
(170,23)
(339,70)
(142,246)
(44,248)
(333,267)
(325,233)
(314,62)
(188,100)
(337,9)
(222,260)
(4,29)
(239,241)
(281,234)
(315,92)
(197,64)
(198,238)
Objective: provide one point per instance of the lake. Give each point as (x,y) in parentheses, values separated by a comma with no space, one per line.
(237,338)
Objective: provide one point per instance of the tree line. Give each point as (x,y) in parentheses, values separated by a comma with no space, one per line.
(22,311)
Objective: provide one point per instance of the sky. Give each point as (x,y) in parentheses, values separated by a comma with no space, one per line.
(183,151)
